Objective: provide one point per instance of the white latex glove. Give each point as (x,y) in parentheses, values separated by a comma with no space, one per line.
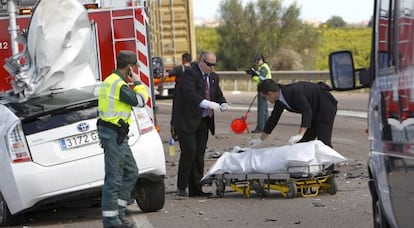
(215,106)
(224,106)
(255,142)
(294,139)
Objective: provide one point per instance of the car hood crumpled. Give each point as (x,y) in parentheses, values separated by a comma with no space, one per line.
(58,50)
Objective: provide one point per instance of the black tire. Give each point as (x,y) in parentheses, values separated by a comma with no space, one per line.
(150,195)
(379,219)
(6,219)
(333,187)
(293,190)
(257,188)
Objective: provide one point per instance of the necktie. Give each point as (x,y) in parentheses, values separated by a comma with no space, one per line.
(207,93)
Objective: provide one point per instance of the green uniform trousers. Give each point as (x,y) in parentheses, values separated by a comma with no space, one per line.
(121,174)
(262,113)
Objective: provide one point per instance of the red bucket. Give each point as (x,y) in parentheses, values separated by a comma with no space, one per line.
(238,126)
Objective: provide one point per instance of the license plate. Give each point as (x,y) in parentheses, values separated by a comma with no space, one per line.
(79,140)
(168,85)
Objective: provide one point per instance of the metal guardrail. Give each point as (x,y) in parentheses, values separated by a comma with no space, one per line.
(239,80)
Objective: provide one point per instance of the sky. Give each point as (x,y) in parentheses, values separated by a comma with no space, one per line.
(352,11)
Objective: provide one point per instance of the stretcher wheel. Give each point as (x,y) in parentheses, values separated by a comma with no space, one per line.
(293,190)
(257,188)
(219,188)
(333,187)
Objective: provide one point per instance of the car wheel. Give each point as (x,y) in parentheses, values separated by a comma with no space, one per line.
(6,218)
(150,195)
(379,219)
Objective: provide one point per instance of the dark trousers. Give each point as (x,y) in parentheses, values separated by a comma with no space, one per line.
(322,126)
(191,165)
(322,131)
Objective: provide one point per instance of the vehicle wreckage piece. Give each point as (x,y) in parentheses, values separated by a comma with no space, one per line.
(50,44)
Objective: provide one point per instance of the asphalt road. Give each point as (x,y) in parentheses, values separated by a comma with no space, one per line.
(349,207)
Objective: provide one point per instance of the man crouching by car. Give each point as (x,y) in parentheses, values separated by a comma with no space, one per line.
(115,102)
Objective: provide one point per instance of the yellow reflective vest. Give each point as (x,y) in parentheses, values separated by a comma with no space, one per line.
(110,108)
(269,74)
(260,77)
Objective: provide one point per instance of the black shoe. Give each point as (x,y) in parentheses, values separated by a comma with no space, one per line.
(200,194)
(126,222)
(181,192)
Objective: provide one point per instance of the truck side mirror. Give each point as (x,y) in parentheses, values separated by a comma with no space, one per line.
(341,69)
(157,67)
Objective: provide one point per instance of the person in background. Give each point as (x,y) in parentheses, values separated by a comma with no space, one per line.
(115,101)
(178,71)
(263,72)
(198,96)
(312,100)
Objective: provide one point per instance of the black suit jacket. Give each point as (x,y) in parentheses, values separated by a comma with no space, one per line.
(188,96)
(313,101)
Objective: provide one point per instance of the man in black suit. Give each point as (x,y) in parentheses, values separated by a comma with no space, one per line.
(313,100)
(196,98)
(178,71)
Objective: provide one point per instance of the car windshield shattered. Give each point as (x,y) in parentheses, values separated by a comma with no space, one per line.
(56,109)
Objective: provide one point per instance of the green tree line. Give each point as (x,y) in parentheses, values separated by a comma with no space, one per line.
(267,28)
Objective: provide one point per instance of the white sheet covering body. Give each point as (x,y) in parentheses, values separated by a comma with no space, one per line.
(273,160)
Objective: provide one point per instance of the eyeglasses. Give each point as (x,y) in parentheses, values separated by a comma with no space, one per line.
(209,64)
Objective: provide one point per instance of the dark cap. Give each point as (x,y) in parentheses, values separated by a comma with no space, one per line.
(257,57)
(126,57)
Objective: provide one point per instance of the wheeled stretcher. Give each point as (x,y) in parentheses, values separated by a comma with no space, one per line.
(299,170)
(289,185)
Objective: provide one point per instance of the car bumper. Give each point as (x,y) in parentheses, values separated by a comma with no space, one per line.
(30,183)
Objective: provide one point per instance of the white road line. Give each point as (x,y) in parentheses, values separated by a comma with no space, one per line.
(348,113)
(357,114)
(141,221)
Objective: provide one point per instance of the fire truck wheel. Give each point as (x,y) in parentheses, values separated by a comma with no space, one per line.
(150,194)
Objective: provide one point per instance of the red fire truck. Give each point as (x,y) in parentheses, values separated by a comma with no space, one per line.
(390,78)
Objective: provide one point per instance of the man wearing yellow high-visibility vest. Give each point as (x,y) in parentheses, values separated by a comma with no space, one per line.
(115,101)
(261,74)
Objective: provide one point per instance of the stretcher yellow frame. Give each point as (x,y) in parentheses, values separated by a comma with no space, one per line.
(289,185)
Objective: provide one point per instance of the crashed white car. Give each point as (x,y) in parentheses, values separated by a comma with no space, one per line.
(49,148)
(50,153)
